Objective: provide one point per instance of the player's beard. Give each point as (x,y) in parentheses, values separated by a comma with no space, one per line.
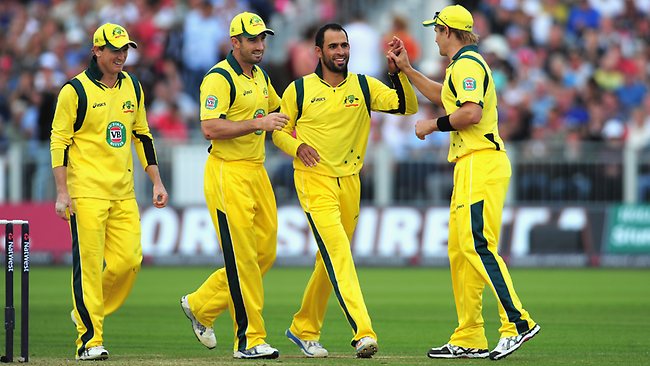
(252,59)
(333,67)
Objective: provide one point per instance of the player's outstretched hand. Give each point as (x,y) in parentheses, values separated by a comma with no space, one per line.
(273,122)
(395,46)
(424,127)
(308,155)
(398,54)
(160,196)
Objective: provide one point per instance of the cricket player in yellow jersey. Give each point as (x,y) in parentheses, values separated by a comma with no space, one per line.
(99,113)
(329,110)
(238,105)
(481,177)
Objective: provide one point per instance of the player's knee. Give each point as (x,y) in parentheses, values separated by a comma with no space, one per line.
(125,265)
(266,261)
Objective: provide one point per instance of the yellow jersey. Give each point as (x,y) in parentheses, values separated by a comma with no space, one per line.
(335,120)
(468,78)
(228,93)
(93,128)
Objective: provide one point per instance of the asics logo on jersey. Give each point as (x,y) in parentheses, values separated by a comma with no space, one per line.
(246,92)
(317,99)
(102,104)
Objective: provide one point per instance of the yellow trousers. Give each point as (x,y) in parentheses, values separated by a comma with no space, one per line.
(480,185)
(244,213)
(332,208)
(106,258)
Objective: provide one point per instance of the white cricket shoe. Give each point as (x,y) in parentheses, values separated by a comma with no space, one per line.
(96,353)
(204,334)
(309,348)
(260,351)
(366,347)
(452,351)
(508,345)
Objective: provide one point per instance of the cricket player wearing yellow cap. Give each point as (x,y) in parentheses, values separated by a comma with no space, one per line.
(99,113)
(238,108)
(481,175)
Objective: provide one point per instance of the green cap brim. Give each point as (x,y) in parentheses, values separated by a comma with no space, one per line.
(248,35)
(115,48)
(429,23)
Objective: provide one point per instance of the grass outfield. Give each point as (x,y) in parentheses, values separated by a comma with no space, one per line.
(588,317)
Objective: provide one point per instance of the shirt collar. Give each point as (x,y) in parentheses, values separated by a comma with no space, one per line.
(468,48)
(319,72)
(95,74)
(232,61)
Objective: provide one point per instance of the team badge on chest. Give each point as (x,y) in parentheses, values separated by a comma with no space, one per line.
(116,134)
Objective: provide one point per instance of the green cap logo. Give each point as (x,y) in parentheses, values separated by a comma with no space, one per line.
(118,32)
(116,134)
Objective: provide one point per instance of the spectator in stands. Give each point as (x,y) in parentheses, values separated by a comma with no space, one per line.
(203,37)
(170,125)
(302,56)
(365,57)
(582,16)
(400,29)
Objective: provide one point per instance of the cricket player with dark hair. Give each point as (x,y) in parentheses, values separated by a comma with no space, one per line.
(329,111)
(481,176)
(238,108)
(99,114)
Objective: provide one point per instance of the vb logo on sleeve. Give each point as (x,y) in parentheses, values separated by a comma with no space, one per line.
(469,84)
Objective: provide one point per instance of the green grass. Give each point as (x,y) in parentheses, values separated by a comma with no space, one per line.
(588,317)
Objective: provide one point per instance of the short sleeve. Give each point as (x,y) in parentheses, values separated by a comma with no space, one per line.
(215,97)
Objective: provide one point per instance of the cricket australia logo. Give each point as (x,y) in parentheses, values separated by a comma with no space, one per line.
(259,114)
(116,134)
(266,92)
(211,102)
(469,84)
(255,21)
(118,32)
(351,101)
(128,107)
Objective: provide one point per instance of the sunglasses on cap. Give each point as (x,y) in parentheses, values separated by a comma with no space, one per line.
(436,17)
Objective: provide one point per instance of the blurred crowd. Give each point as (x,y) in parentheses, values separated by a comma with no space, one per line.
(567,72)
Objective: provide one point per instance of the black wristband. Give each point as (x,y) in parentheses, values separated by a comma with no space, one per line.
(444,124)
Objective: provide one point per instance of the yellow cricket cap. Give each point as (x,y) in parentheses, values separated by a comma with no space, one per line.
(249,25)
(112,36)
(452,16)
